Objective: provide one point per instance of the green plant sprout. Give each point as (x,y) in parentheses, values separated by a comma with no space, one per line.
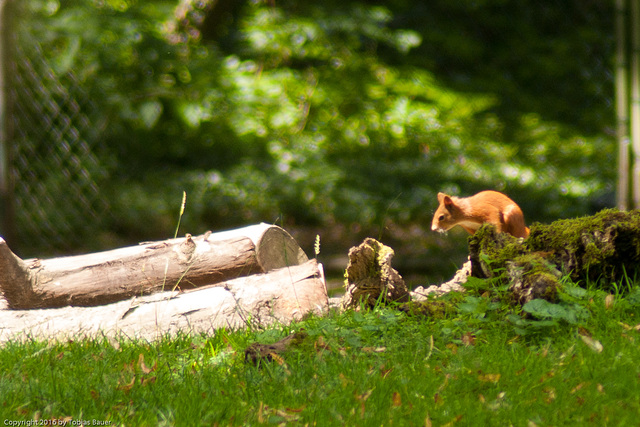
(182,206)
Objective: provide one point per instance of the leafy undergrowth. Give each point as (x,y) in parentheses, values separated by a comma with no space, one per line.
(574,362)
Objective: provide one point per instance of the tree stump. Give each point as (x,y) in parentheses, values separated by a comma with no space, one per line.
(370,276)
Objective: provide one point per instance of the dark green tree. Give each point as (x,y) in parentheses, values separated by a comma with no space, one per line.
(338,112)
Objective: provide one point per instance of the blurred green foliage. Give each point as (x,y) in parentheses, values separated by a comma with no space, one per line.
(338,112)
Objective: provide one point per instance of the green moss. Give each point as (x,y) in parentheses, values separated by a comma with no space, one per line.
(595,247)
(533,276)
(605,246)
(490,251)
(432,308)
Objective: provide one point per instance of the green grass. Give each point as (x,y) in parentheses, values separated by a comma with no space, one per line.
(475,365)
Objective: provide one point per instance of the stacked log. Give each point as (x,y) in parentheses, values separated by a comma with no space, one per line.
(256,274)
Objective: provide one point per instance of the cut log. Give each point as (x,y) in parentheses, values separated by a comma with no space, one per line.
(281,295)
(183,263)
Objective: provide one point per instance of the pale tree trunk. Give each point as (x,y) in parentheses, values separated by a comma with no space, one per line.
(622,109)
(175,264)
(281,295)
(635,101)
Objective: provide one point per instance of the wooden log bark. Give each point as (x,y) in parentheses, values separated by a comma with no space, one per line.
(281,295)
(183,263)
(370,276)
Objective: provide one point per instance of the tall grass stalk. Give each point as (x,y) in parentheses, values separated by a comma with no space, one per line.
(182,206)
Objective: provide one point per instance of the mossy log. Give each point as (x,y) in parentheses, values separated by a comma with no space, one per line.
(601,248)
(183,263)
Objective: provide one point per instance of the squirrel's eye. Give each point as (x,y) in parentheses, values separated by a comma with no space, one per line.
(441,218)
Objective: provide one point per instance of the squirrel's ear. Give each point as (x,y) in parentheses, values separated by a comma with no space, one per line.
(444,199)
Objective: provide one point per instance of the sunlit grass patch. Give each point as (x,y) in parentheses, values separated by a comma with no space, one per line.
(475,365)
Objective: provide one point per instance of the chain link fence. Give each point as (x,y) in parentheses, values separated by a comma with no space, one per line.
(52,170)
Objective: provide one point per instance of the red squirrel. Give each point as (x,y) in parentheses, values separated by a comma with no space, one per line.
(471,212)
